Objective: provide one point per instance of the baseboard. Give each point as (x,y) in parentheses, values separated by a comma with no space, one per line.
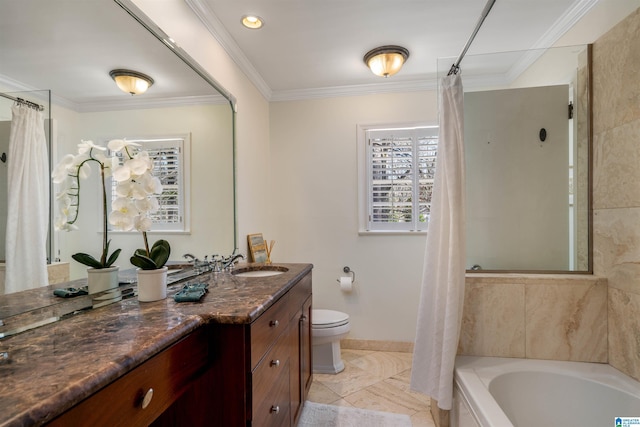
(375,345)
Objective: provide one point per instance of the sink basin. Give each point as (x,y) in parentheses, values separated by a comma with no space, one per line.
(259,271)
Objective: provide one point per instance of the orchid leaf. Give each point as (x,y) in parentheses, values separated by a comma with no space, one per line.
(143,262)
(113,258)
(158,257)
(160,252)
(87,260)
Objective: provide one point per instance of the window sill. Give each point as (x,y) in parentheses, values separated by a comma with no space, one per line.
(391,233)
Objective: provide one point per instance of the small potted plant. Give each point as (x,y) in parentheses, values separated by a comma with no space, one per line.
(102,275)
(137,191)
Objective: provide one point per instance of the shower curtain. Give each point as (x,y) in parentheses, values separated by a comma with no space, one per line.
(442,296)
(27,201)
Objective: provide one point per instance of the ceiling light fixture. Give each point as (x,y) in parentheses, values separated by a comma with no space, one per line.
(131,82)
(252,21)
(385,61)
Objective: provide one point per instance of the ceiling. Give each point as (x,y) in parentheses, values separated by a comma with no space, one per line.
(70,47)
(313,48)
(306,48)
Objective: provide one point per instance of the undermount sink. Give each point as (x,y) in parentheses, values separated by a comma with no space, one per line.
(259,271)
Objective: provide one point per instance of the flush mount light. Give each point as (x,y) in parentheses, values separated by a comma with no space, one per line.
(252,21)
(131,82)
(385,61)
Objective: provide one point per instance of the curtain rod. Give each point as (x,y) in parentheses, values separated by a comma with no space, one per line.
(456,65)
(23,101)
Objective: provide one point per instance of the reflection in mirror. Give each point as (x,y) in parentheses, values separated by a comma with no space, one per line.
(87,105)
(527,145)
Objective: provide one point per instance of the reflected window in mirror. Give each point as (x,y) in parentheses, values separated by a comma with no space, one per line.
(170,156)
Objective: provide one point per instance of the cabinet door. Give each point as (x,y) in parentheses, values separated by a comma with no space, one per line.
(305,349)
(301,360)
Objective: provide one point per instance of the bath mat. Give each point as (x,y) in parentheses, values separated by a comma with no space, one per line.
(320,415)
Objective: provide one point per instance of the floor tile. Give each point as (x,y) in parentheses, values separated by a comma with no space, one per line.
(383,364)
(375,380)
(383,396)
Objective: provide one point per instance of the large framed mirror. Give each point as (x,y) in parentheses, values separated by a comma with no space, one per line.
(527,146)
(68,49)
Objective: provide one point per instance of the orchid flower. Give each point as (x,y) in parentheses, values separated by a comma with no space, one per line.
(67,174)
(137,191)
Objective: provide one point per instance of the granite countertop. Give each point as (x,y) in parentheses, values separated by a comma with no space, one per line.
(52,368)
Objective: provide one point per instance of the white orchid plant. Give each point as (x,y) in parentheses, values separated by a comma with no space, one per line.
(136,192)
(68,174)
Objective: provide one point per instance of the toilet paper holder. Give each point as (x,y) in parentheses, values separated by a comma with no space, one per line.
(348,271)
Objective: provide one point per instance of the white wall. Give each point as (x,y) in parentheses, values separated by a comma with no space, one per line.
(314,206)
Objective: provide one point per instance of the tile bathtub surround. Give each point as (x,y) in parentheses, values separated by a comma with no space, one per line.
(560,317)
(616,186)
(374,380)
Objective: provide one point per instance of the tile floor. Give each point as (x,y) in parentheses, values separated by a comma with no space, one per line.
(375,380)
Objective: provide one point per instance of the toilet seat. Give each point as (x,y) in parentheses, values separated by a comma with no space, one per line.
(325,319)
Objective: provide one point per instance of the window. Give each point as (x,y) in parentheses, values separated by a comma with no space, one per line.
(170,156)
(400,167)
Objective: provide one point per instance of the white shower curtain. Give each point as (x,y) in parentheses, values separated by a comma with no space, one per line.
(442,296)
(27,201)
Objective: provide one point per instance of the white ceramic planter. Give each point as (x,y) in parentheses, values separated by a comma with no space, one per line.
(152,284)
(102,279)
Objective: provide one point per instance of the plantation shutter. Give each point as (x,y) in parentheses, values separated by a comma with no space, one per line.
(167,166)
(401,167)
(168,155)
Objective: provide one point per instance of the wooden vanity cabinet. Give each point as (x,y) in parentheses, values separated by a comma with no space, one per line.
(281,378)
(260,372)
(225,375)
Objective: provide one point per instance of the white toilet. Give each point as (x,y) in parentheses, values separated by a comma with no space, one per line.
(327,328)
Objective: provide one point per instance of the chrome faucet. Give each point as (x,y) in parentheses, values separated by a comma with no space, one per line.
(227,263)
(190,258)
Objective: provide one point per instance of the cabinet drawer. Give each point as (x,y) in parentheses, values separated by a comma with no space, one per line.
(271,367)
(273,408)
(266,329)
(121,403)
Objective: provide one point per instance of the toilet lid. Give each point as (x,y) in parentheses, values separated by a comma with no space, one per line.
(328,318)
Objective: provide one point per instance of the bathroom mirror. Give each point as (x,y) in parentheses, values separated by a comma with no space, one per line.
(527,148)
(68,47)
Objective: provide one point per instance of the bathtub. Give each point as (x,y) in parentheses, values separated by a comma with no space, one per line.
(502,392)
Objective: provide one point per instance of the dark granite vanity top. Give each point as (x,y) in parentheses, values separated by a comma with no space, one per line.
(52,368)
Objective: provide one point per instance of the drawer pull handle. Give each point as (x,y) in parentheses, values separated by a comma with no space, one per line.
(274,323)
(275,409)
(275,363)
(147,398)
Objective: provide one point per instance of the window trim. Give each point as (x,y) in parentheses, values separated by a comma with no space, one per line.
(363,176)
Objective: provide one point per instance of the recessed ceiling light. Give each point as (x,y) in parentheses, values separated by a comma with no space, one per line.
(252,21)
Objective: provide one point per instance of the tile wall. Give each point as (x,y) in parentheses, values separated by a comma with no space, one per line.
(559,317)
(616,186)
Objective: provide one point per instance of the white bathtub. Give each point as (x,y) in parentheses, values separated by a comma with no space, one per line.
(502,392)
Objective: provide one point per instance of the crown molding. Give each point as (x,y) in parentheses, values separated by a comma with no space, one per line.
(563,24)
(119,103)
(142,103)
(219,32)
(353,90)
